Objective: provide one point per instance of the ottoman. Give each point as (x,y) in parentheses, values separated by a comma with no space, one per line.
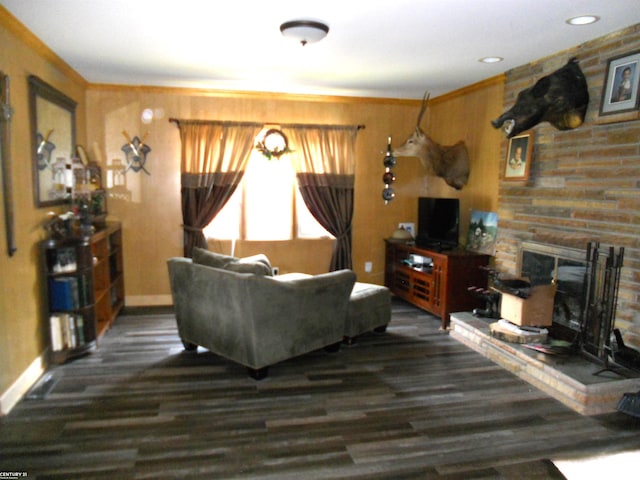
(369,309)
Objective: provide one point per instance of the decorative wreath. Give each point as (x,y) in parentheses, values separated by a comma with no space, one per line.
(274,144)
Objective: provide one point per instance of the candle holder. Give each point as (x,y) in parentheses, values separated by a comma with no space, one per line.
(388,177)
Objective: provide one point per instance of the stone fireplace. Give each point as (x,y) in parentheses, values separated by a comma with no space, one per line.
(581,380)
(583,183)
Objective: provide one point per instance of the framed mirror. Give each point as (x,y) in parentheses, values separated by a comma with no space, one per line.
(53,137)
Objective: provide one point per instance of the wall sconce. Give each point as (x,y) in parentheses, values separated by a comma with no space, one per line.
(136,151)
(388,177)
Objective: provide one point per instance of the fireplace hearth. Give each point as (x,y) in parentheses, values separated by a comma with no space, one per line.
(584,378)
(574,380)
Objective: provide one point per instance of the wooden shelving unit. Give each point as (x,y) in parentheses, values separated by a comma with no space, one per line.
(108,275)
(440,287)
(85,289)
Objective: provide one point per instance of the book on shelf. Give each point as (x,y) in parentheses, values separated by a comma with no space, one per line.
(67,331)
(68,293)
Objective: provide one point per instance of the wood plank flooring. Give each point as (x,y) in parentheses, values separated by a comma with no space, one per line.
(412,403)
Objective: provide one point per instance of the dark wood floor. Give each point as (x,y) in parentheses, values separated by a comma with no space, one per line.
(409,404)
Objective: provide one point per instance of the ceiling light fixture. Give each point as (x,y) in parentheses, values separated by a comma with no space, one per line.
(304,31)
(491,59)
(583,20)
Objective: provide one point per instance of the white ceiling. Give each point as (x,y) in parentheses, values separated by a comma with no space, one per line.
(375,48)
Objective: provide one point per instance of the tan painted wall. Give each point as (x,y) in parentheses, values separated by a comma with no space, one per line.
(151,218)
(22,329)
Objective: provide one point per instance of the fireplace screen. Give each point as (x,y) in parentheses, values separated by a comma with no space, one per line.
(587,291)
(541,264)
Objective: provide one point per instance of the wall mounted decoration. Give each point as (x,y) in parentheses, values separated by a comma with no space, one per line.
(388,177)
(88,198)
(136,151)
(449,162)
(53,137)
(5,161)
(519,157)
(560,98)
(273,144)
(620,93)
(93,171)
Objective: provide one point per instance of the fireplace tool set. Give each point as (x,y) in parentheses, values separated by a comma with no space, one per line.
(602,281)
(601,294)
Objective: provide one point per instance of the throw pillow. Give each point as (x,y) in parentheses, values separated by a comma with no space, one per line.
(260,257)
(210,259)
(257,268)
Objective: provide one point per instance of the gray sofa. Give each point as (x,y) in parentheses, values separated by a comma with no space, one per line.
(236,309)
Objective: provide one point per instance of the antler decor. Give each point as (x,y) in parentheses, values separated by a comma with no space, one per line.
(450,162)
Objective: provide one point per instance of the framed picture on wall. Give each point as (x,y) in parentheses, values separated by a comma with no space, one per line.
(620,93)
(519,157)
(483,232)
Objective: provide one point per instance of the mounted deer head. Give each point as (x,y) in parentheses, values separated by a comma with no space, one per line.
(448,162)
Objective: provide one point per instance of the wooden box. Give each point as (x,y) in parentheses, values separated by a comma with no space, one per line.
(535,311)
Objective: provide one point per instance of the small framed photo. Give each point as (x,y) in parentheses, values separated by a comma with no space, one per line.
(620,91)
(483,232)
(519,157)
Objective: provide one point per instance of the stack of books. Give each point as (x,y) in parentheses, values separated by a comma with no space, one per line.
(67,331)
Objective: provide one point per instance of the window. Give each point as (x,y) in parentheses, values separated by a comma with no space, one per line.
(266,206)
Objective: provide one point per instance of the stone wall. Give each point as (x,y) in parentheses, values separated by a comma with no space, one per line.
(584,184)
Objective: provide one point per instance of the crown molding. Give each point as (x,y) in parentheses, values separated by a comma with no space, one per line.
(17,28)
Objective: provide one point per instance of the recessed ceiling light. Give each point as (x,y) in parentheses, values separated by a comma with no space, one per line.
(491,59)
(583,20)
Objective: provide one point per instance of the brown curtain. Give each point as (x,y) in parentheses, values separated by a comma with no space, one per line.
(324,159)
(214,155)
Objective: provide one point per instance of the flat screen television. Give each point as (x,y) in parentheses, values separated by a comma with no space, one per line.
(438,223)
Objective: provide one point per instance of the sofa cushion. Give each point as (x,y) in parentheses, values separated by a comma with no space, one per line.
(210,259)
(258,264)
(259,258)
(257,268)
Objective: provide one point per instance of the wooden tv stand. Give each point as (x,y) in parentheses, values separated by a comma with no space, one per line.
(440,288)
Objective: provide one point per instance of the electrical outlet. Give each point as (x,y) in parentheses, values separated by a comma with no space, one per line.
(275,271)
(368,266)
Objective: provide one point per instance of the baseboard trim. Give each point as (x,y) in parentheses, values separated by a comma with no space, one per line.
(148,310)
(147,300)
(21,386)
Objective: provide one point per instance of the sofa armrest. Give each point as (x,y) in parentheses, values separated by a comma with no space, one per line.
(292,316)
